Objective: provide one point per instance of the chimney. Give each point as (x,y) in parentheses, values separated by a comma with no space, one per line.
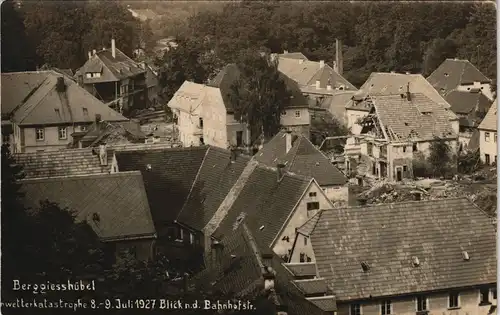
(321,64)
(90,55)
(113,48)
(280,170)
(97,118)
(269,277)
(301,61)
(60,85)
(285,51)
(103,155)
(288,141)
(318,84)
(408,72)
(329,87)
(339,59)
(408,94)
(93,52)
(217,251)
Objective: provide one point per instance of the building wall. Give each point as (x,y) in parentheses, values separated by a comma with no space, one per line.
(25,138)
(437,304)
(302,248)
(289,117)
(143,249)
(299,217)
(336,193)
(488,147)
(214,119)
(187,125)
(352,117)
(485,88)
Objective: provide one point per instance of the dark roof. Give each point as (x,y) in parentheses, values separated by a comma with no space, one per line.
(312,286)
(388,236)
(264,201)
(454,72)
(214,180)
(463,102)
(169,181)
(224,80)
(68,162)
(118,199)
(111,69)
(111,132)
(67,72)
(240,271)
(32,98)
(303,159)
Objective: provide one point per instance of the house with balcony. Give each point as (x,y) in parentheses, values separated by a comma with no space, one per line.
(416,257)
(115,79)
(397,129)
(391,83)
(488,146)
(460,75)
(42,110)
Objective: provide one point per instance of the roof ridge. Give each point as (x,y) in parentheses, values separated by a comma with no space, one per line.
(82,176)
(296,150)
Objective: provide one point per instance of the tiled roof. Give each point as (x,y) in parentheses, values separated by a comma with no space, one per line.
(293,55)
(111,69)
(306,269)
(188,97)
(396,83)
(224,80)
(490,120)
(215,178)
(303,159)
(68,162)
(405,120)
(326,303)
(312,286)
(306,73)
(463,102)
(32,99)
(307,228)
(454,72)
(336,104)
(240,272)
(170,177)
(389,238)
(111,133)
(264,204)
(118,199)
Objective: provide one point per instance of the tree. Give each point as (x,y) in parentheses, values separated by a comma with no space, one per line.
(326,125)
(17,53)
(440,157)
(260,94)
(437,52)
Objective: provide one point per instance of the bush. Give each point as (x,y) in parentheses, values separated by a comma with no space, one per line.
(421,168)
(469,162)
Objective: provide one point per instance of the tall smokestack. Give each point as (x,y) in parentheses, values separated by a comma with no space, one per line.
(339,60)
(113,48)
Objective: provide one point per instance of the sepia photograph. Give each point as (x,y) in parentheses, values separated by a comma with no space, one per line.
(248,157)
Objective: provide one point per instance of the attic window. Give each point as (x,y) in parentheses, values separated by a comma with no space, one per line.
(465,256)
(415,261)
(57,111)
(95,217)
(446,74)
(365,266)
(85,111)
(261,228)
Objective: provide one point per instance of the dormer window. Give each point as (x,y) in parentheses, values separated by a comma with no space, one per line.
(365,266)
(446,74)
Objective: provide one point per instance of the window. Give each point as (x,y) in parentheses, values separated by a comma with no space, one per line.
(89,75)
(5,138)
(369,149)
(484,296)
(201,122)
(283,113)
(63,133)
(312,194)
(191,238)
(355,309)
(487,159)
(421,303)
(297,113)
(305,240)
(487,136)
(453,300)
(85,111)
(312,205)
(495,137)
(415,148)
(302,257)
(404,149)
(405,168)
(386,307)
(40,134)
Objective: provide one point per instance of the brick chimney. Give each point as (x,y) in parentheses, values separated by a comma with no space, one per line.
(280,171)
(339,59)
(103,154)
(93,52)
(113,48)
(318,84)
(285,51)
(288,141)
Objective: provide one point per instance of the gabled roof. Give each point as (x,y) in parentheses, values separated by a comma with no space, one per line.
(306,73)
(387,237)
(68,162)
(216,176)
(417,119)
(111,69)
(396,83)
(224,81)
(454,72)
(119,200)
(32,98)
(169,180)
(188,97)
(490,120)
(264,204)
(463,102)
(240,273)
(302,159)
